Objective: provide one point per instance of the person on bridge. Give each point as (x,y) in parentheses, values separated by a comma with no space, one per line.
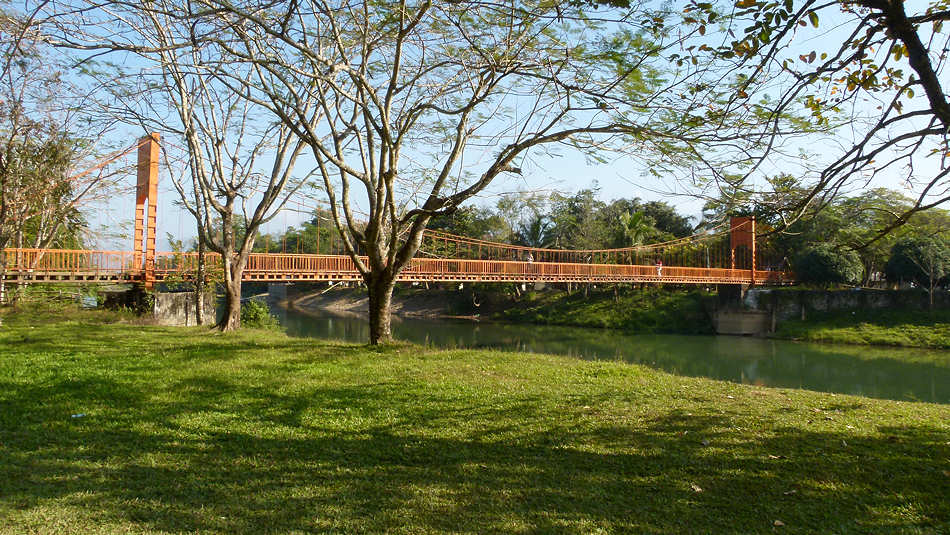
(659,267)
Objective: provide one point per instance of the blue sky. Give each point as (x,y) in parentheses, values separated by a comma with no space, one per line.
(569,172)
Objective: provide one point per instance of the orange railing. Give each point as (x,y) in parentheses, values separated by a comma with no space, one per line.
(37,265)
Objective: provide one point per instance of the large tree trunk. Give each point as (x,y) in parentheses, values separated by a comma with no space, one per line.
(380,289)
(233,272)
(231,320)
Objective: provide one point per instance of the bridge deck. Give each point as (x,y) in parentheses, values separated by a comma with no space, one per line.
(69,266)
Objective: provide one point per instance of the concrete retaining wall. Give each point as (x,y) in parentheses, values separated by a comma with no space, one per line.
(178,308)
(742,322)
(797,304)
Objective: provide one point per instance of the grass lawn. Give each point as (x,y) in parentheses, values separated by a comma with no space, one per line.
(182,430)
(907,328)
(636,310)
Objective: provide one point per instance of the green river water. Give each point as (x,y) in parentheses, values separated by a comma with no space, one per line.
(879,372)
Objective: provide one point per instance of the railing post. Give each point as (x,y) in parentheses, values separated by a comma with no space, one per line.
(146,190)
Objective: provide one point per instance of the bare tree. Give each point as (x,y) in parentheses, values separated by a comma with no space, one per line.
(419,106)
(410,108)
(241,161)
(241,173)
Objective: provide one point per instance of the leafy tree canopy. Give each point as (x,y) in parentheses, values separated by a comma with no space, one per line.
(825,264)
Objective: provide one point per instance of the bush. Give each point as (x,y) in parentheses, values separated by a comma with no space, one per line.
(256,314)
(921,260)
(825,264)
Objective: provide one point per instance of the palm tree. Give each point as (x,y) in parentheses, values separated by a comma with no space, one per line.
(636,227)
(536,232)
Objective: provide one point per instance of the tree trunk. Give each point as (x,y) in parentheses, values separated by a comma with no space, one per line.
(3,275)
(231,321)
(380,292)
(933,287)
(20,284)
(200,283)
(233,271)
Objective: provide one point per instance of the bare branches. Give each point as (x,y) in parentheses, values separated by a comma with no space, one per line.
(846,65)
(48,143)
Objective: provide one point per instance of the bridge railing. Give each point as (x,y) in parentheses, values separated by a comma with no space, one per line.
(68,261)
(125,265)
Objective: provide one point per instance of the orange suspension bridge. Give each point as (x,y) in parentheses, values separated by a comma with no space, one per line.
(724,255)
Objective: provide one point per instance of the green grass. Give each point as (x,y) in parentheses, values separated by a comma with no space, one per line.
(906,328)
(185,431)
(639,310)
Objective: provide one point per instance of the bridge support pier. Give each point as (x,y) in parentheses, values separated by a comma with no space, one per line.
(731,316)
(731,295)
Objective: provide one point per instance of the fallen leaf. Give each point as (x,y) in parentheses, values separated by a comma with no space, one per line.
(730,397)
(695,487)
(778,523)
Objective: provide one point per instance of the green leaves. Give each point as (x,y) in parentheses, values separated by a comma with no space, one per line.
(899,51)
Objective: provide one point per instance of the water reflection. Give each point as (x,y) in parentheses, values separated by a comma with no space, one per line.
(903,374)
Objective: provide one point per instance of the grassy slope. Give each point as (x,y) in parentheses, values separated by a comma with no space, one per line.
(186,431)
(647,310)
(873,327)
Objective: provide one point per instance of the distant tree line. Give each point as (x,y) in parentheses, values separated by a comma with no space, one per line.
(561,221)
(837,245)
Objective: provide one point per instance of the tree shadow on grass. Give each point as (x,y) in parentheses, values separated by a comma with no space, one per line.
(225,457)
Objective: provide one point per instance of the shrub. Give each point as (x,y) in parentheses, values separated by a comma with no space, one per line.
(825,264)
(256,314)
(925,261)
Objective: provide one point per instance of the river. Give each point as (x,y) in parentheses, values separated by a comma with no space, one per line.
(889,373)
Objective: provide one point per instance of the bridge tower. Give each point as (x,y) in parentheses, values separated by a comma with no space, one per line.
(146,191)
(742,233)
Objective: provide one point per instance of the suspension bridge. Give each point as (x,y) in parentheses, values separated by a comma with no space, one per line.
(726,254)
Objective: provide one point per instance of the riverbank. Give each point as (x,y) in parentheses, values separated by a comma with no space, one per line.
(119,427)
(406,301)
(901,328)
(648,310)
(642,311)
